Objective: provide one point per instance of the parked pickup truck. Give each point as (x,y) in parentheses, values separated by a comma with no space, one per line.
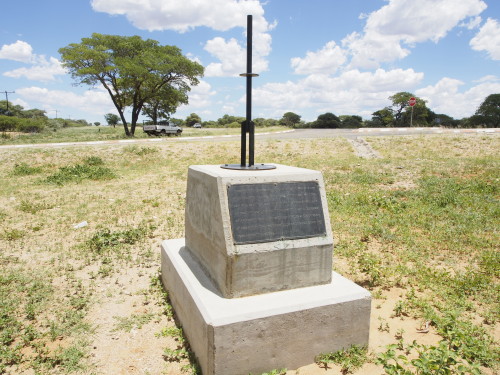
(158,129)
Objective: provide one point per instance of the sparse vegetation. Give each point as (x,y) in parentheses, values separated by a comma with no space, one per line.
(349,360)
(91,169)
(422,220)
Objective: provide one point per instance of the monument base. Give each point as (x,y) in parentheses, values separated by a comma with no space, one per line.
(255,334)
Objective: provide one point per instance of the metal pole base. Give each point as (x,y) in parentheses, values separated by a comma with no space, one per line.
(255,167)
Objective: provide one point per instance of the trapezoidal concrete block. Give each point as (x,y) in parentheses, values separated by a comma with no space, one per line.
(261,231)
(255,334)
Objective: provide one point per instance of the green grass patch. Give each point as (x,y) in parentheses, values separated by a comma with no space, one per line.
(349,360)
(91,169)
(24,169)
(105,239)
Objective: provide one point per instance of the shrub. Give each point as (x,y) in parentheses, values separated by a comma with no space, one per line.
(8,123)
(31,125)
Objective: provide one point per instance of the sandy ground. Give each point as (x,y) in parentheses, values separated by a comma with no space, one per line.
(140,351)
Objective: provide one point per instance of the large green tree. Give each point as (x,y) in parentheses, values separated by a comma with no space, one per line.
(326,120)
(383,117)
(488,113)
(402,111)
(133,71)
(192,119)
(351,122)
(290,119)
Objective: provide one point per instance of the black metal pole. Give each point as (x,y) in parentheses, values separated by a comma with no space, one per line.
(249,123)
(248,126)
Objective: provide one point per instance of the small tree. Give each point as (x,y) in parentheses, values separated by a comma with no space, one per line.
(290,119)
(383,117)
(488,113)
(192,119)
(112,119)
(351,122)
(402,111)
(97,123)
(327,120)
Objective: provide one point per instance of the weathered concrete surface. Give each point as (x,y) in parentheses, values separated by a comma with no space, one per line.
(255,334)
(247,269)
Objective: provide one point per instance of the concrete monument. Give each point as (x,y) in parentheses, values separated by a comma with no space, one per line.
(252,281)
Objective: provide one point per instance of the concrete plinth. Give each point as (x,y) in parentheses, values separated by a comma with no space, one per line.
(277,237)
(285,329)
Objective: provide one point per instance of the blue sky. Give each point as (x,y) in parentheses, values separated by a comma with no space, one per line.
(313,56)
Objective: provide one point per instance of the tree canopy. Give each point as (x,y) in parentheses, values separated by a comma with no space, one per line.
(112,119)
(488,113)
(135,72)
(192,119)
(327,120)
(290,119)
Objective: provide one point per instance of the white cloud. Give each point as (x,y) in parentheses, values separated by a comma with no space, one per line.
(488,39)
(472,23)
(352,92)
(230,54)
(221,15)
(91,102)
(18,51)
(408,22)
(41,69)
(445,97)
(184,15)
(488,78)
(199,96)
(326,61)
(44,70)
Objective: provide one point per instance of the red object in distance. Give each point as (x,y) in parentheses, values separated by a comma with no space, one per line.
(412,102)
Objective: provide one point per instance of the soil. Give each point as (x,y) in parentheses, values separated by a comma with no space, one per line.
(140,350)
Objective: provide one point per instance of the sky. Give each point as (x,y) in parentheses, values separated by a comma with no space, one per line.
(312,56)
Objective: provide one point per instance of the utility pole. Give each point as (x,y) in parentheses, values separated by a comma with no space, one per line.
(7,97)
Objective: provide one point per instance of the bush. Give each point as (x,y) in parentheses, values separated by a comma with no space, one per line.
(25,125)
(8,123)
(31,125)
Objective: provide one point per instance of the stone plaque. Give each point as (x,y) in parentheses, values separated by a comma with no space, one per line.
(275,211)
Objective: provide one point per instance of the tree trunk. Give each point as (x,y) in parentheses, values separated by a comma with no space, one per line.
(118,108)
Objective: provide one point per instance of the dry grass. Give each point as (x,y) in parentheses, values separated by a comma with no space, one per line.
(396,220)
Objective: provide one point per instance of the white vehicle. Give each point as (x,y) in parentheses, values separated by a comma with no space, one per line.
(159,129)
(197,125)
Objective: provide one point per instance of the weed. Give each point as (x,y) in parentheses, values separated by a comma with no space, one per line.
(93,160)
(24,169)
(12,234)
(371,264)
(91,169)
(154,202)
(276,372)
(105,239)
(440,360)
(33,207)
(383,326)
(400,309)
(140,151)
(135,321)
(349,360)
